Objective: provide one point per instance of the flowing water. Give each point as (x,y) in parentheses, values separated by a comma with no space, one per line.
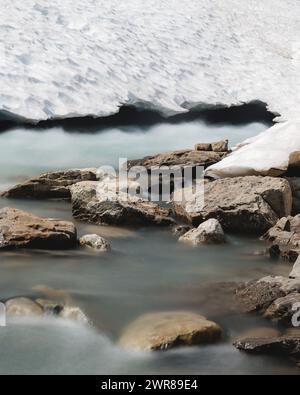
(148,269)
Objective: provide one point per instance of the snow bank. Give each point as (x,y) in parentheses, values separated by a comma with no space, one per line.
(75,58)
(269,153)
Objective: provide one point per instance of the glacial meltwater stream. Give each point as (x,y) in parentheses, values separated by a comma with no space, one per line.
(148,270)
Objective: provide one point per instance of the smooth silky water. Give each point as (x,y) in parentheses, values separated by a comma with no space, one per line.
(148,269)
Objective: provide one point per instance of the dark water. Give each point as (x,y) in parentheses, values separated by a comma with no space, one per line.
(148,270)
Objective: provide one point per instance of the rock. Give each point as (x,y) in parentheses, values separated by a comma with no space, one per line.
(220,146)
(285,238)
(289,345)
(203,147)
(19,229)
(183,158)
(180,230)
(55,185)
(243,204)
(23,307)
(98,203)
(162,331)
(96,242)
(295,273)
(210,232)
(74,314)
(257,296)
(281,310)
(295,186)
(259,333)
(50,307)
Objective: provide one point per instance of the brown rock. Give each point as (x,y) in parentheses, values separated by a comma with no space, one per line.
(162,331)
(55,185)
(243,204)
(203,147)
(95,203)
(183,158)
(23,307)
(220,146)
(19,229)
(281,310)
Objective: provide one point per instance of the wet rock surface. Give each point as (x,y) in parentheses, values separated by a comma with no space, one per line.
(96,203)
(166,330)
(20,229)
(53,185)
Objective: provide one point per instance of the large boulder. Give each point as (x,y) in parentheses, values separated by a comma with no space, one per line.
(210,232)
(99,203)
(165,330)
(242,204)
(19,229)
(53,185)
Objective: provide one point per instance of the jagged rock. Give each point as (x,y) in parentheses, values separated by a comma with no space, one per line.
(243,204)
(285,238)
(210,232)
(23,307)
(220,146)
(54,185)
(96,242)
(180,230)
(19,229)
(295,273)
(183,158)
(258,296)
(281,310)
(165,330)
(99,203)
(203,147)
(284,344)
(259,333)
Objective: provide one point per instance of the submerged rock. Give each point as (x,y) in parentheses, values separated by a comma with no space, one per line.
(23,307)
(243,204)
(209,232)
(165,330)
(19,229)
(95,242)
(54,185)
(99,203)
